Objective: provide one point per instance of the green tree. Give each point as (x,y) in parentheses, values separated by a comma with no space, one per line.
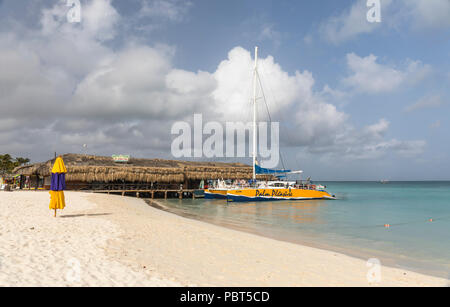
(7,163)
(21,161)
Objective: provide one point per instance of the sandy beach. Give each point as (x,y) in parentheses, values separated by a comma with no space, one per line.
(107,240)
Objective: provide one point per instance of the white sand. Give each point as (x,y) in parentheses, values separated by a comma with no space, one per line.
(37,249)
(118,241)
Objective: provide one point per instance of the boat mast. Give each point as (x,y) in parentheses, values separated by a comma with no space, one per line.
(254,111)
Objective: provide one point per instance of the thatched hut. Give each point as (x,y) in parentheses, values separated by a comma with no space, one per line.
(86,171)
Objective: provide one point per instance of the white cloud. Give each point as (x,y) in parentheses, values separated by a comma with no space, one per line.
(367,144)
(269,33)
(25,91)
(436,124)
(234,79)
(173,10)
(414,14)
(379,129)
(407,148)
(98,20)
(338,96)
(74,47)
(349,23)
(140,82)
(427,102)
(432,14)
(367,75)
(63,86)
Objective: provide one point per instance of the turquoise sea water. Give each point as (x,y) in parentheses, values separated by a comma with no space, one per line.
(353,224)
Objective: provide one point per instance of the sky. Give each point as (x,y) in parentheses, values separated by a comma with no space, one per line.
(355,100)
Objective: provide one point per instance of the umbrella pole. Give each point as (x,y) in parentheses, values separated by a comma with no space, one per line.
(55,212)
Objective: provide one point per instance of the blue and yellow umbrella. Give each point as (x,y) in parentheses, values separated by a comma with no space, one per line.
(58,185)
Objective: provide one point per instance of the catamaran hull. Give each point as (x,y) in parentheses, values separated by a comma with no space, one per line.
(215,194)
(252,195)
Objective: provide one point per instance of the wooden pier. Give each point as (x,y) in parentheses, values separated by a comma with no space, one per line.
(140,190)
(152,193)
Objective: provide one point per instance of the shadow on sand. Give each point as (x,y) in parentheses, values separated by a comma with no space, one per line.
(81,215)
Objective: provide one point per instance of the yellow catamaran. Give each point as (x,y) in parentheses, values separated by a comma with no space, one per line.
(266,191)
(278,190)
(218,190)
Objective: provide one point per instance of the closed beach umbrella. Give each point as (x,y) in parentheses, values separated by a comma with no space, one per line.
(58,185)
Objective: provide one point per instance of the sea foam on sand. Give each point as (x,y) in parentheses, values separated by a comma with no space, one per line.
(107,240)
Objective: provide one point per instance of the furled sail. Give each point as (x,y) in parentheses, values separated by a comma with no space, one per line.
(260,171)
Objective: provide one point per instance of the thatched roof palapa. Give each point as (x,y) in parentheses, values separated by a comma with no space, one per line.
(88,168)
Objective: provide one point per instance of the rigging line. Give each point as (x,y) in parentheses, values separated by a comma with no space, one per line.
(264,98)
(268,113)
(288,130)
(270,117)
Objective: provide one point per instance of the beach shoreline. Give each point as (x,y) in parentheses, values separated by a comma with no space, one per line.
(387,259)
(121,241)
